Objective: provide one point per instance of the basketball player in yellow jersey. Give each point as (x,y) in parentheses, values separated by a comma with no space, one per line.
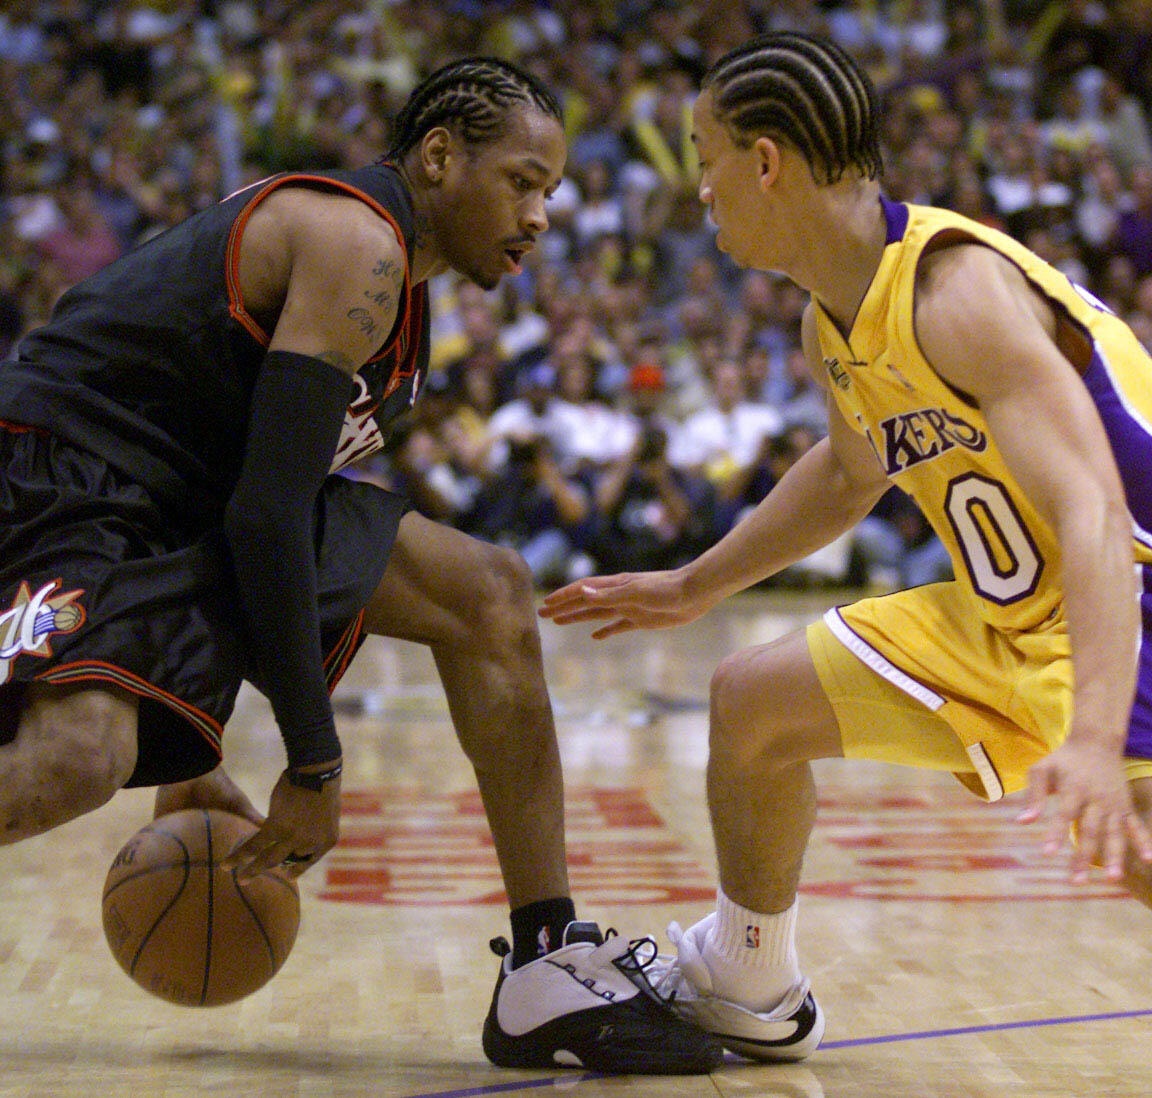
(1017,412)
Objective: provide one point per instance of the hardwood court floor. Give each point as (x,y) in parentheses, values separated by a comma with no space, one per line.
(951,959)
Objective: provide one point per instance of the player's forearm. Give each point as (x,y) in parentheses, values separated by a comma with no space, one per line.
(1102,612)
(296,414)
(812,505)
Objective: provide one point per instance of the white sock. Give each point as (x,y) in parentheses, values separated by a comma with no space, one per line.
(752,956)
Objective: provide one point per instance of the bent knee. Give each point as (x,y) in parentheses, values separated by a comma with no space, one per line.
(504,595)
(755,717)
(507,575)
(84,745)
(734,728)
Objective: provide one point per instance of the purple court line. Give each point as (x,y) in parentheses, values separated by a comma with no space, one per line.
(992,1028)
(855,1042)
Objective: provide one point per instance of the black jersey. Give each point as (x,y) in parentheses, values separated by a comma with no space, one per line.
(150,363)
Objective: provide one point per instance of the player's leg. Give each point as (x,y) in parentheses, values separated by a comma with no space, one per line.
(473,604)
(588,1002)
(774,708)
(769,717)
(737,971)
(73,748)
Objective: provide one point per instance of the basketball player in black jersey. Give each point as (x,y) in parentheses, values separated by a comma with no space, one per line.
(170,525)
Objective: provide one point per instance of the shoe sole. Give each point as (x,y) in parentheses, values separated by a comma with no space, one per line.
(595,1040)
(736,1029)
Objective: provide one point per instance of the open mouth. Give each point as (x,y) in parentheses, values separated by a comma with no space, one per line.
(515,256)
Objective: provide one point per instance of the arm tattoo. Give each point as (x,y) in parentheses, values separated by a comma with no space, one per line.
(363,319)
(384,297)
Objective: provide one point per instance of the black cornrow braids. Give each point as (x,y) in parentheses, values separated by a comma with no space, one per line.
(806,91)
(472,96)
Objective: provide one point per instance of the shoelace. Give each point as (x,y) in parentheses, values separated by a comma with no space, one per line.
(635,961)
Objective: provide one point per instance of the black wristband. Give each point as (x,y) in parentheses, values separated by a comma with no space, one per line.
(314,781)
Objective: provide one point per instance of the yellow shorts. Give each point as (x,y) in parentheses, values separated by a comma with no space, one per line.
(917,678)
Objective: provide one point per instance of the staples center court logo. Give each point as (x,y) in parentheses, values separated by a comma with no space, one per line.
(28,625)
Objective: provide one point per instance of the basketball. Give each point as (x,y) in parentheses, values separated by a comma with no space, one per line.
(182,926)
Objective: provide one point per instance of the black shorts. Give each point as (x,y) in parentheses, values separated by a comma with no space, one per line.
(99,584)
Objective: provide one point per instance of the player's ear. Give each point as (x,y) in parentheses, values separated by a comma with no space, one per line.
(435,153)
(767,161)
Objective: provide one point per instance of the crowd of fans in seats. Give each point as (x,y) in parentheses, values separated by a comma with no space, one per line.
(632,394)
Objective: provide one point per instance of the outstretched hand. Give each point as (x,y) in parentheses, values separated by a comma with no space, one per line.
(302,826)
(1092,797)
(631,600)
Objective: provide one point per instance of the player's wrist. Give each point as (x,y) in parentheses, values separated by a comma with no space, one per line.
(315,776)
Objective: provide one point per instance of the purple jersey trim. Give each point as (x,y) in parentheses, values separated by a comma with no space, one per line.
(896,219)
(1139,745)
(1131,440)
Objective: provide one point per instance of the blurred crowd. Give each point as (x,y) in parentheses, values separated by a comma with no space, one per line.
(631,395)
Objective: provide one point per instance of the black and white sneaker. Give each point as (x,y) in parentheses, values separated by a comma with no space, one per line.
(790,1031)
(589,1004)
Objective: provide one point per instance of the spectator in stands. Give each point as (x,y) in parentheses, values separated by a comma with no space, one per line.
(721,440)
(82,241)
(1133,238)
(595,433)
(149,112)
(531,505)
(893,547)
(643,405)
(1125,124)
(650,514)
(803,403)
(600,212)
(537,413)
(1098,210)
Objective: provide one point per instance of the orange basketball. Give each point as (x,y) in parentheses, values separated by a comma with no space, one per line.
(183,927)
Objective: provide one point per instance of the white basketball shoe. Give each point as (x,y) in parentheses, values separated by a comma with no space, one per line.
(589,1004)
(790,1031)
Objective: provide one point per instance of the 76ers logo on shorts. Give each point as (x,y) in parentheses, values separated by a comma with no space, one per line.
(28,625)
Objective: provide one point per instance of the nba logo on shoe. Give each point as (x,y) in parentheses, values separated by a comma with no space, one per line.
(752,937)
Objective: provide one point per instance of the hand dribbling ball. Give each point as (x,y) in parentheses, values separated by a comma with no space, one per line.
(184,928)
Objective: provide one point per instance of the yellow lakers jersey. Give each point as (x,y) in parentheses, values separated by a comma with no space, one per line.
(934,442)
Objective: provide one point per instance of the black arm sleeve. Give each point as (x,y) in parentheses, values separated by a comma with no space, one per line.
(298,407)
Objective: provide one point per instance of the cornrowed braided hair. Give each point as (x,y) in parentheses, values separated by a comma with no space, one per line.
(473,97)
(805,91)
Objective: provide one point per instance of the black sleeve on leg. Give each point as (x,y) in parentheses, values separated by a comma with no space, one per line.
(298,408)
